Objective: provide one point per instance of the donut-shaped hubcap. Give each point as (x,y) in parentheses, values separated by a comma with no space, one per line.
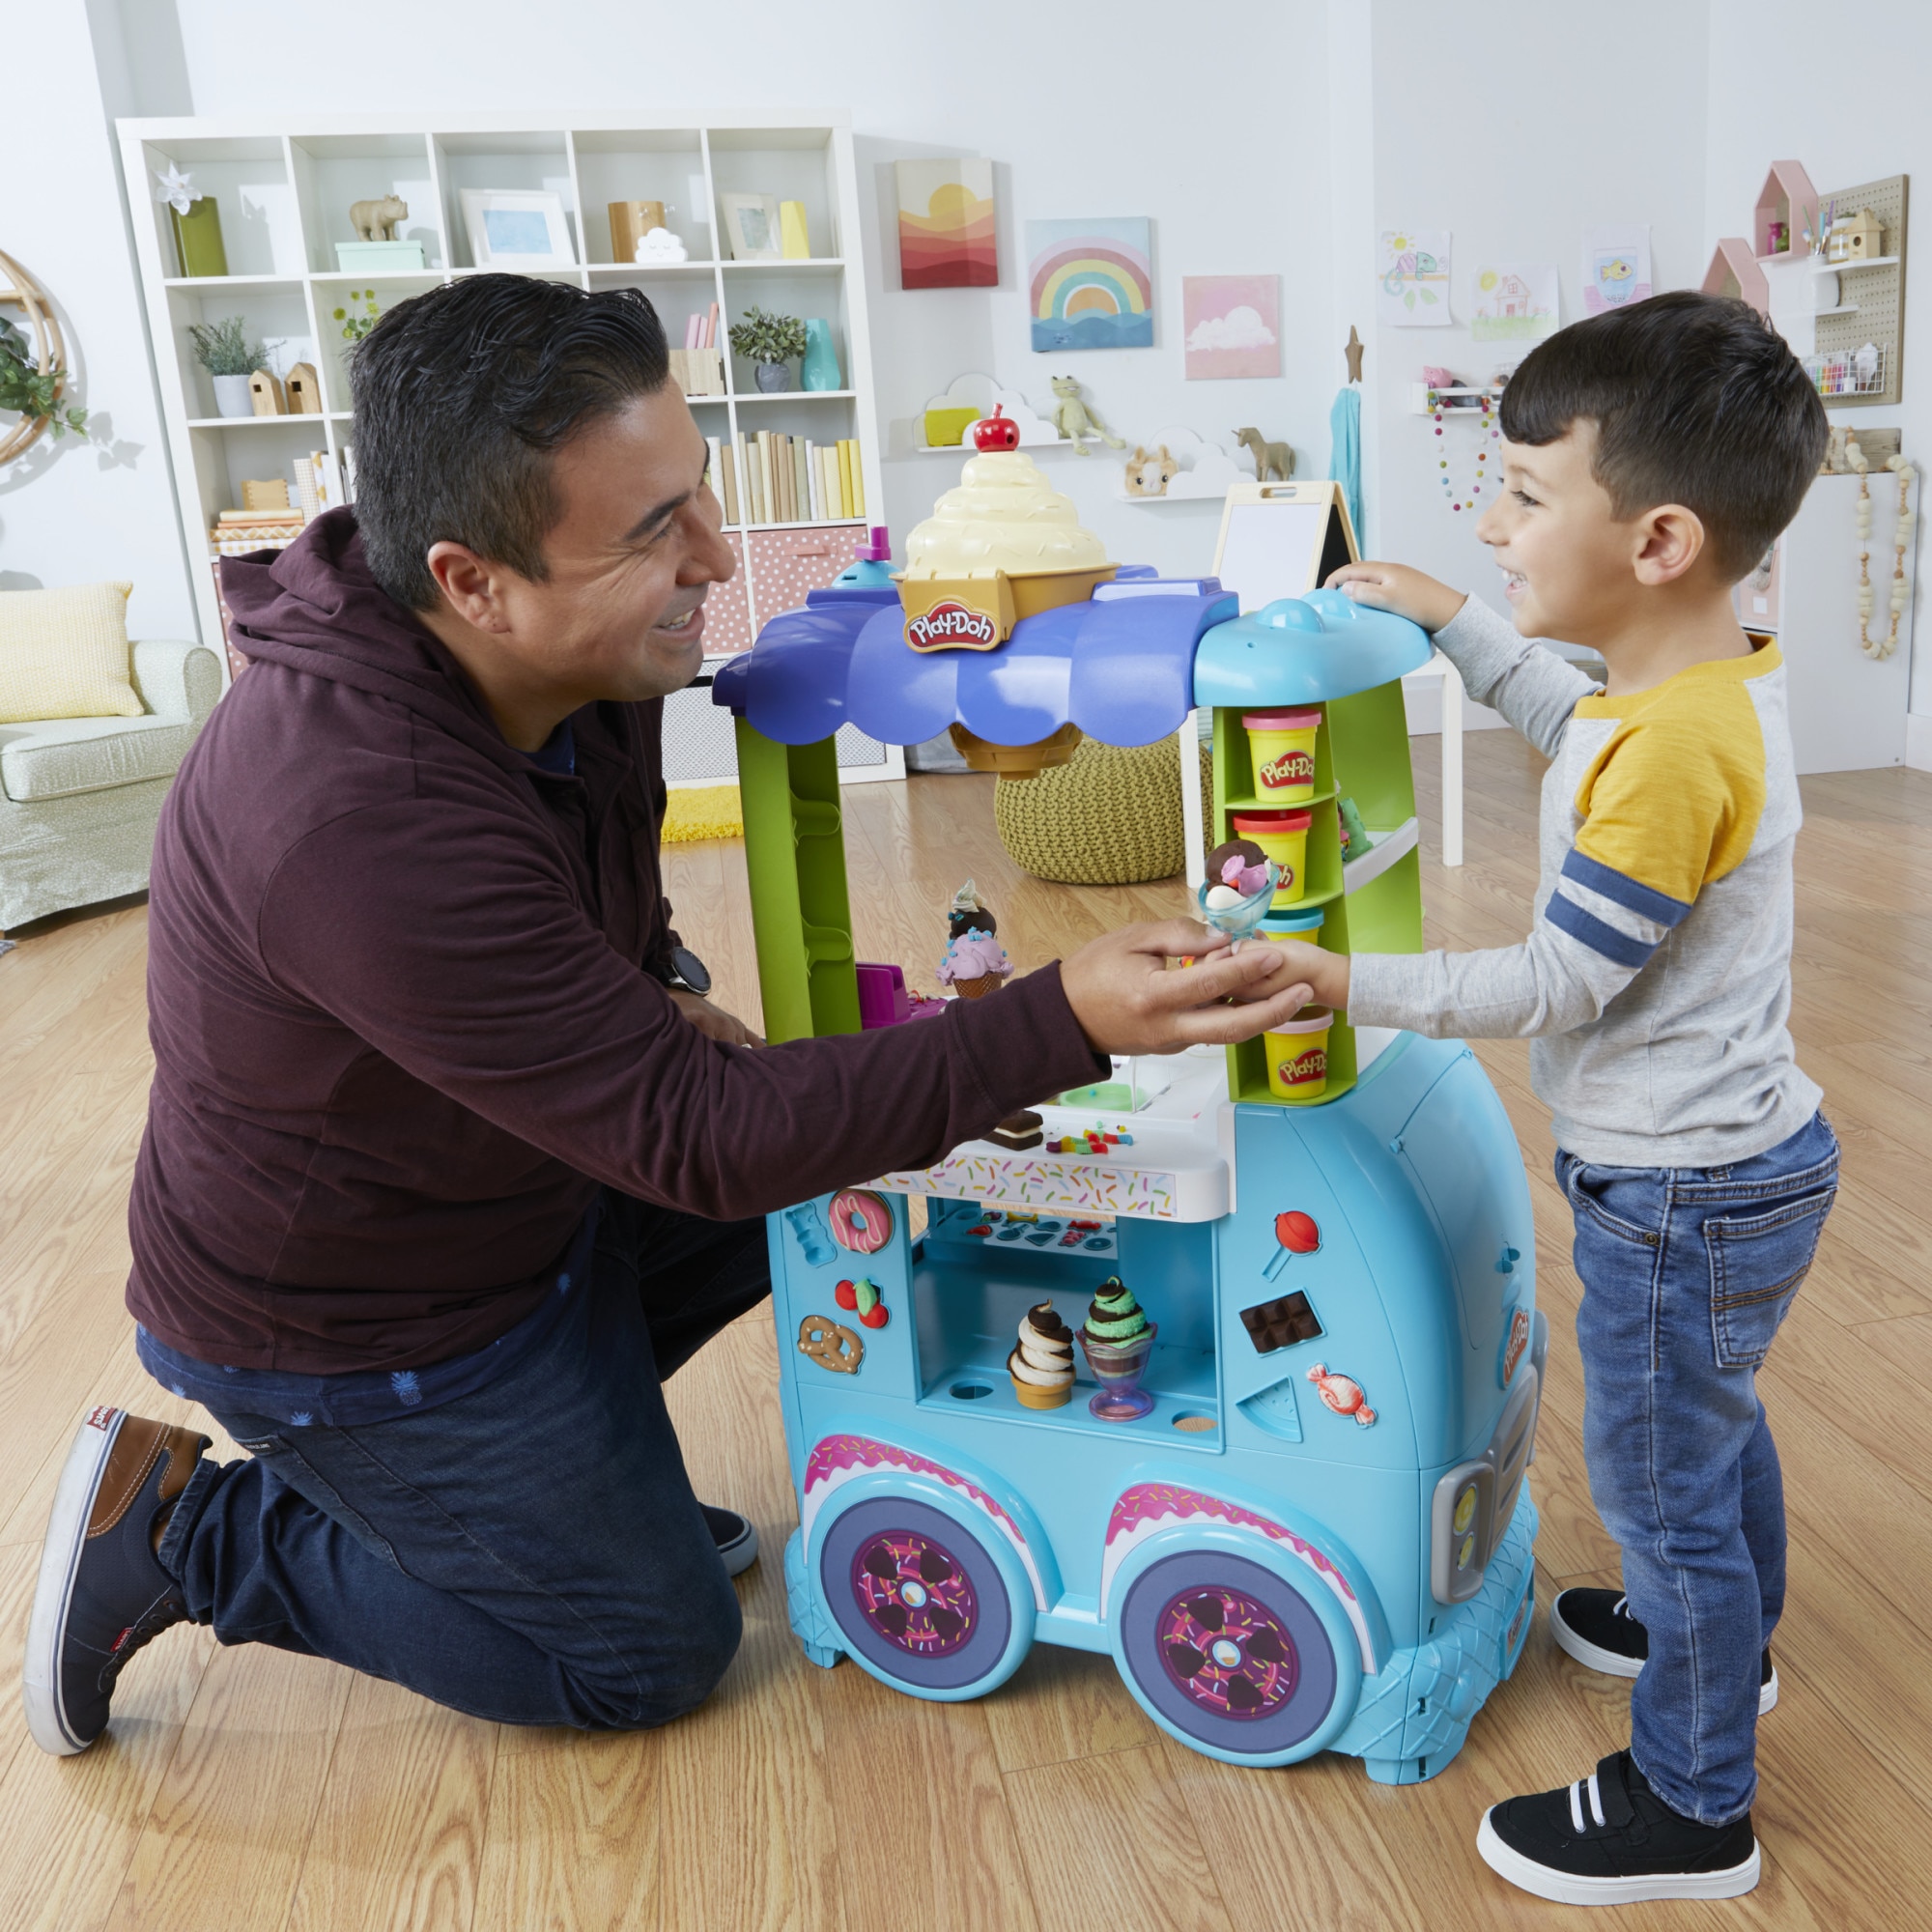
(1227,1652)
(911,1591)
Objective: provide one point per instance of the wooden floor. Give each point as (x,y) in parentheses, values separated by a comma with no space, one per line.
(247,1788)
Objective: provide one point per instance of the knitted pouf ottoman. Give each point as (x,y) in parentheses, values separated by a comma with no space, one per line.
(1111,817)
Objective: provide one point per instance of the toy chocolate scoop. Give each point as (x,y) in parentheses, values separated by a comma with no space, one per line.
(1241,881)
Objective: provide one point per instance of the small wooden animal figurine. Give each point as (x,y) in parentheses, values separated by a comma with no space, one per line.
(265,394)
(376,220)
(1149,476)
(1074,420)
(304,391)
(1271,459)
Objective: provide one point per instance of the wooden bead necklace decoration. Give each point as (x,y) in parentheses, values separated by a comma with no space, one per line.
(1880,648)
(1486,431)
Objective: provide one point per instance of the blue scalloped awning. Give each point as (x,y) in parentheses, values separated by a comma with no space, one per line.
(1125,667)
(1120,666)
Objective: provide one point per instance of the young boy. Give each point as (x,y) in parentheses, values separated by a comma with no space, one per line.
(1651,457)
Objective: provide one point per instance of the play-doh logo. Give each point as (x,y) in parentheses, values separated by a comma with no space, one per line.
(1310,1066)
(1292,768)
(951,626)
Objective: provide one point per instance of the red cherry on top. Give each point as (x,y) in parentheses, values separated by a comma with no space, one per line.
(876,1316)
(1298,1233)
(845,1295)
(996,432)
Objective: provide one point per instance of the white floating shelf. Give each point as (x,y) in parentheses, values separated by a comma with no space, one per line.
(1387,848)
(1123,496)
(1843,308)
(1419,394)
(1819,267)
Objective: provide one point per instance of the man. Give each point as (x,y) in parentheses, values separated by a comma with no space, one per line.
(449,1162)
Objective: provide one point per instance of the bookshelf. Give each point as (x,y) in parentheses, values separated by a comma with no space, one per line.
(284,190)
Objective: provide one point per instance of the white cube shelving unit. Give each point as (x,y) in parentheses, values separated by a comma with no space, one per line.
(284,192)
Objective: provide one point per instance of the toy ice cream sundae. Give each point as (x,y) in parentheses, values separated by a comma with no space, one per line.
(1041,1363)
(1240,887)
(1116,1338)
(975,963)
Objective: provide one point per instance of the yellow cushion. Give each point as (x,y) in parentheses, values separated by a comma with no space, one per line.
(65,654)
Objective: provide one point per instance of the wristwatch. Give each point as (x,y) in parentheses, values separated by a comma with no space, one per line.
(682,967)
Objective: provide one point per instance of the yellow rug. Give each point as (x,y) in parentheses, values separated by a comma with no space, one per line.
(702,812)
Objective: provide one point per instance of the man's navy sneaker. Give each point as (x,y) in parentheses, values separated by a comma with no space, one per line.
(101,1593)
(1608,1839)
(1596,1627)
(736,1539)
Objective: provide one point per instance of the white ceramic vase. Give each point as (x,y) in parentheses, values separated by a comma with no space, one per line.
(231,397)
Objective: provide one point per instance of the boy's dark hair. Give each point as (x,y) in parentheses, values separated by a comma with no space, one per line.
(463,397)
(1697,399)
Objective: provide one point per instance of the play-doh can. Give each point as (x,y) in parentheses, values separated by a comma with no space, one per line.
(1303,926)
(1284,837)
(1298,1055)
(1282,746)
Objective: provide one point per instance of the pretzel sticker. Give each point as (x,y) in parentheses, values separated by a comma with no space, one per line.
(831,1344)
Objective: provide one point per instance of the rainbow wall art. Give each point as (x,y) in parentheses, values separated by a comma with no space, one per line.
(946,225)
(1091,284)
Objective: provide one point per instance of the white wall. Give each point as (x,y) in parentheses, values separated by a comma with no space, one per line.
(73,512)
(1220,137)
(1765,105)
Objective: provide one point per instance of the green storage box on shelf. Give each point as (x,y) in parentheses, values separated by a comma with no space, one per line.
(198,238)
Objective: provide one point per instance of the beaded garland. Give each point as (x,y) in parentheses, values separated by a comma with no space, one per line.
(1880,648)
(1489,433)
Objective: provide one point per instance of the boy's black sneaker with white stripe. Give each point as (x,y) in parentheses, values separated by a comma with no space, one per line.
(1608,1839)
(1596,1627)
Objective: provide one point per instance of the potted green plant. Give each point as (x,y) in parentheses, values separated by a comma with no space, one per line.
(223,349)
(25,389)
(767,342)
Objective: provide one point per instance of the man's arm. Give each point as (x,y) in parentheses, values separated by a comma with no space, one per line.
(486,982)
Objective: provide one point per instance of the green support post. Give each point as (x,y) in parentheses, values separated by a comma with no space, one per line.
(795,857)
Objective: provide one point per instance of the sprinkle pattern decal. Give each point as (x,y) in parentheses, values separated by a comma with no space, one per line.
(1064,1184)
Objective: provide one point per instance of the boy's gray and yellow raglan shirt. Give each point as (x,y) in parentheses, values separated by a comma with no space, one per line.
(1656,981)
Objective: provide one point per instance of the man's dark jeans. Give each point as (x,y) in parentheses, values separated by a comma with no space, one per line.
(532,1552)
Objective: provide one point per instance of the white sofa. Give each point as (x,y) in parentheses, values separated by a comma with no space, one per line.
(80,797)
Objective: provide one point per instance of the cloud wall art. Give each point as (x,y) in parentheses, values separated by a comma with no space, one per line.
(1232,324)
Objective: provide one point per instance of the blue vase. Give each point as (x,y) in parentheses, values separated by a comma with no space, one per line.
(820,368)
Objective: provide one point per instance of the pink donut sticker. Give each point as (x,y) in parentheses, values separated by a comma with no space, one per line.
(862,1221)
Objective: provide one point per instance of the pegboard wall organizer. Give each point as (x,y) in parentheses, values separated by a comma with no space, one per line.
(1871,295)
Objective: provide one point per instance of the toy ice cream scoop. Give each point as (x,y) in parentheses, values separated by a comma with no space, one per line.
(1041,1363)
(1003,544)
(974,965)
(968,913)
(1116,1338)
(1239,890)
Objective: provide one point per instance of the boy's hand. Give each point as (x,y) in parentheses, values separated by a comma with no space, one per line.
(1394,587)
(1326,974)
(1128,1000)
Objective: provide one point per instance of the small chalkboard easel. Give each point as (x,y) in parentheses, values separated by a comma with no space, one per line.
(1282,539)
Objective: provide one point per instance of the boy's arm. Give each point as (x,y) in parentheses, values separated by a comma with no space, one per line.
(1533,688)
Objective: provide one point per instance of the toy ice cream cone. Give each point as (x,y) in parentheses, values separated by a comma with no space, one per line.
(1041,1363)
(974,989)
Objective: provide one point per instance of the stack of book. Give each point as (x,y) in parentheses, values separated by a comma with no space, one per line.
(238,532)
(768,478)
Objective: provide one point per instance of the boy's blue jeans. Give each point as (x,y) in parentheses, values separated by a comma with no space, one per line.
(1686,1274)
(531,1552)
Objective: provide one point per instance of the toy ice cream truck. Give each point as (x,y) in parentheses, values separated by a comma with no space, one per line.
(1231,1376)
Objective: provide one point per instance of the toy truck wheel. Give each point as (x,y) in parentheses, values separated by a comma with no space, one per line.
(1233,1659)
(922,1600)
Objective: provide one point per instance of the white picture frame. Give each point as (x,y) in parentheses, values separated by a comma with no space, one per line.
(517,228)
(752,227)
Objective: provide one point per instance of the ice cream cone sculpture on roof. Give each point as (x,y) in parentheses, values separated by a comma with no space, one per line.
(1002,545)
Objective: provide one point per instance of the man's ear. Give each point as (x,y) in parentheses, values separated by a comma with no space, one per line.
(1666,541)
(471,584)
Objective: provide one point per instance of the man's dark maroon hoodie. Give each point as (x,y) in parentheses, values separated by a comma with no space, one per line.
(400,1028)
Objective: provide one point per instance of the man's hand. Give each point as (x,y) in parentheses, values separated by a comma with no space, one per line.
(713,1022)
(1394,587)
(1128,1000)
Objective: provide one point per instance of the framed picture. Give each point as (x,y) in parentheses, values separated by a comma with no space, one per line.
(517,228)
(752,227)
(1091,284)
(946,225)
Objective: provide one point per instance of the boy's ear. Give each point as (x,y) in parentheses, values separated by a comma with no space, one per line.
(1665,542)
